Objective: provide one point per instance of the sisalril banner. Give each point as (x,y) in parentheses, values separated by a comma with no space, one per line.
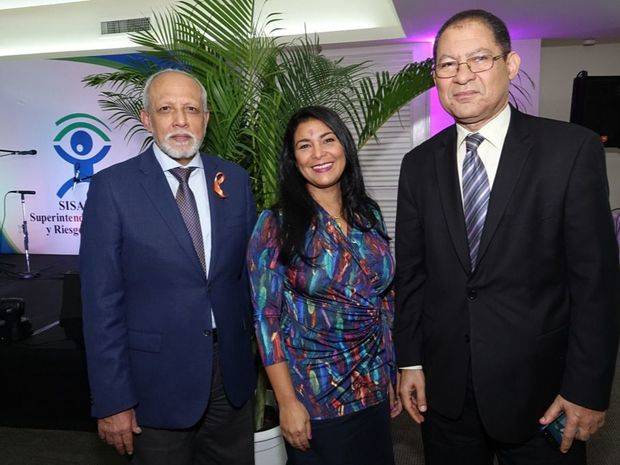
(44,106)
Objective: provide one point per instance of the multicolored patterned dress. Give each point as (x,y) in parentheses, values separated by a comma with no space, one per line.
(330,322)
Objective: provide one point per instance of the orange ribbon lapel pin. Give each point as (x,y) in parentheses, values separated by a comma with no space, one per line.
(217,184)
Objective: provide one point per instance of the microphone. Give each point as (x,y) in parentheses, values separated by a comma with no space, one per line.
(23,192)
(26,152)
(76,174)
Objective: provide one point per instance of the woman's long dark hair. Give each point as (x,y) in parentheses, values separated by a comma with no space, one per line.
(297,207)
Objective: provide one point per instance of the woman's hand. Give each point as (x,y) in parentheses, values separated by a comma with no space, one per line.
(395,404)
(295,424)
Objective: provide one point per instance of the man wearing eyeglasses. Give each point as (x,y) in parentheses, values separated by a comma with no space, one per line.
(507,270)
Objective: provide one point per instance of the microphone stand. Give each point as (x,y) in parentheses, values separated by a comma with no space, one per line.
(4,264)
(28,274)
(6,153)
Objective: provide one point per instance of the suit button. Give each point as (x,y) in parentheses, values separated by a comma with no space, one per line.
(206,332)
(472,294)
(467,338)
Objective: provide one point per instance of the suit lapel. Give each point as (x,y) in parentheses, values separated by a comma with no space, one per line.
(158,190)
(450,195)
(516,150)
(216,209)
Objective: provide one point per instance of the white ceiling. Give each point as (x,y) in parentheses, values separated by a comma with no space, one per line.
(74,29)
(10,4)
(526,19)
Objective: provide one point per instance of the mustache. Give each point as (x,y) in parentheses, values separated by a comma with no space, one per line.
(181,133)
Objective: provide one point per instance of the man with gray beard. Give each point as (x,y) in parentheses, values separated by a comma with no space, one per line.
(167,318)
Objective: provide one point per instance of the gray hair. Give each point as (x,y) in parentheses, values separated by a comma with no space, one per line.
(147,87)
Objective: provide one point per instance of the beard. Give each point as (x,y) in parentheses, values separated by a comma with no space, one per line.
(167,146)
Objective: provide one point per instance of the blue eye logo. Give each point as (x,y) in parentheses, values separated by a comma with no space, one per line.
(82,151)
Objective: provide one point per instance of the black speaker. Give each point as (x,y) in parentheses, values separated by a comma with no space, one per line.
(14,326)
(596,105)
(71,309)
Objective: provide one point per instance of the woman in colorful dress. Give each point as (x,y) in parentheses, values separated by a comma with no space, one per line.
(321,273)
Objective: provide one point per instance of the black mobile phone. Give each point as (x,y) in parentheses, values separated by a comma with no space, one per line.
(554,430)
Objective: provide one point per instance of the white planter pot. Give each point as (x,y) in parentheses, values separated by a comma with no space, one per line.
(269,447)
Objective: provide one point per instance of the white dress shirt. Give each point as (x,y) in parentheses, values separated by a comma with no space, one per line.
(489,151)
(198,184)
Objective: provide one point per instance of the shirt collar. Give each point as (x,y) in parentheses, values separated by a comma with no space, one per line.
(494,131)
(167,163)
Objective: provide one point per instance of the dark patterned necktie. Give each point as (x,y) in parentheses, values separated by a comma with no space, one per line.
(189,210)
(475,195)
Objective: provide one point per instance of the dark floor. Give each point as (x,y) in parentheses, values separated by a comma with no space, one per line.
(44,404)
(46,384)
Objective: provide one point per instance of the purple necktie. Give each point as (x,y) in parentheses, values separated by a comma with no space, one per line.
(475,195)
(189,211)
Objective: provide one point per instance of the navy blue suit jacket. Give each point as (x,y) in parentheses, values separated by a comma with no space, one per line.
(147,301)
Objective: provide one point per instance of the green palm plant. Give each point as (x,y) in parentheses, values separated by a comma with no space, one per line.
(255,81)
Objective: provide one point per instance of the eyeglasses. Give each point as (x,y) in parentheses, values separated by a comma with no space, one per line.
(476,64)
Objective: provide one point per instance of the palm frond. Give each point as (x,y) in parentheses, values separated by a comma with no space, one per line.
(376,99)
(518,93)
(267,140)
(124,109)
(310,78)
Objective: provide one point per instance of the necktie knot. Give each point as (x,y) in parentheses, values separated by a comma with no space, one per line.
(472,141)
(182,174)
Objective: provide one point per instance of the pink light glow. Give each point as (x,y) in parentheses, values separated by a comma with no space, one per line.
(417,40)
(440,119)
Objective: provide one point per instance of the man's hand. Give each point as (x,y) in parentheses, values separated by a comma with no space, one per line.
(581,422)
(117,430)
(396,405)
(295,424)
(413,393)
